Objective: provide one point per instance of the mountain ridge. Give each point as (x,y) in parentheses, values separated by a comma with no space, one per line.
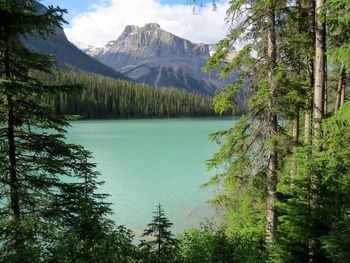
(159,58)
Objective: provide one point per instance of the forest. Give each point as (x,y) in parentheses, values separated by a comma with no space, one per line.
(102,97)
(285,177)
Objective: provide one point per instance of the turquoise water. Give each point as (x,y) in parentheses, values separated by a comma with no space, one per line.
(146,162)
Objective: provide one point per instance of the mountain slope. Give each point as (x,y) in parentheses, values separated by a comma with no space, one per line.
(68,55)
(159,58)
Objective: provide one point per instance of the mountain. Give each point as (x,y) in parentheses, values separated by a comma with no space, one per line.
(154,56)
(68,55)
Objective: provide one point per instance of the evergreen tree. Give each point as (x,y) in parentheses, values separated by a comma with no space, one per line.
(36,163)
(325,220)
(253,148)
(83,227)
(85,233)
(161,245)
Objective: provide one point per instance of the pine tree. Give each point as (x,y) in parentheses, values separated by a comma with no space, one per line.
(161,243)
(253,148)
(85,232)
(36,163)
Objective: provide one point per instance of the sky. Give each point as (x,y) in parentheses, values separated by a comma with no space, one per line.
(95,22)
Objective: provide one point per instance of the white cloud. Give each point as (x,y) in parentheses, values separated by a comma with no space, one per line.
(106,20)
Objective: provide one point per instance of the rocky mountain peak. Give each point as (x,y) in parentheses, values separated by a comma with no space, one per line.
(155,56)
(152,41)
(129,29)
(151,26)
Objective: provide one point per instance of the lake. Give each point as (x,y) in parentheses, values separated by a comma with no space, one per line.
(146,162)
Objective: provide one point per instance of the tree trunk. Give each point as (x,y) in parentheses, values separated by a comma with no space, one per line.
(311,77)
(339,89)
(325,91)
(295,128)
(307,121)
(12,160)
(319,71)
(14,187)
(319,94)
(273,157)
(295,138)
(325,106)
(342,97)
(296,117)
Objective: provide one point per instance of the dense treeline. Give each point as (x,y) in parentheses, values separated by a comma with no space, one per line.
(103,97)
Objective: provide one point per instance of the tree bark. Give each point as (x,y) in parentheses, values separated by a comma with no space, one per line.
(342,97)
(14,186)
(296,117)
(325,91)
(272,126)
(311,77)
(295,128)
(340,85)
(295,138)
(325,99)
(318,104)
(12,160)
(307,121)
(320,63)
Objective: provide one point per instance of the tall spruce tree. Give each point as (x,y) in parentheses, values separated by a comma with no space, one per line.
(36,163)
(85,233)
(161,244)
(253,146)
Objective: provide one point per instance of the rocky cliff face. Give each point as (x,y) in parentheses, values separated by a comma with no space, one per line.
(159,58)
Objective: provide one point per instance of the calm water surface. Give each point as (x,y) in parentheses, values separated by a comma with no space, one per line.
(146,162)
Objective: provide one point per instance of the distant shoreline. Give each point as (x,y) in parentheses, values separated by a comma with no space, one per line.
(160,118)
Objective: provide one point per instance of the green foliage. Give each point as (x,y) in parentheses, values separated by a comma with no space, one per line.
(316,205)
(205,245)
(111,245)
(338,22)
(50,208)
(208,245)
(224,99)
(83,228)
(72,117)
(161,245)
(313,185)
(104,97)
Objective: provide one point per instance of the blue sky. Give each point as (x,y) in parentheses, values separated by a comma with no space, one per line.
(75,7)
